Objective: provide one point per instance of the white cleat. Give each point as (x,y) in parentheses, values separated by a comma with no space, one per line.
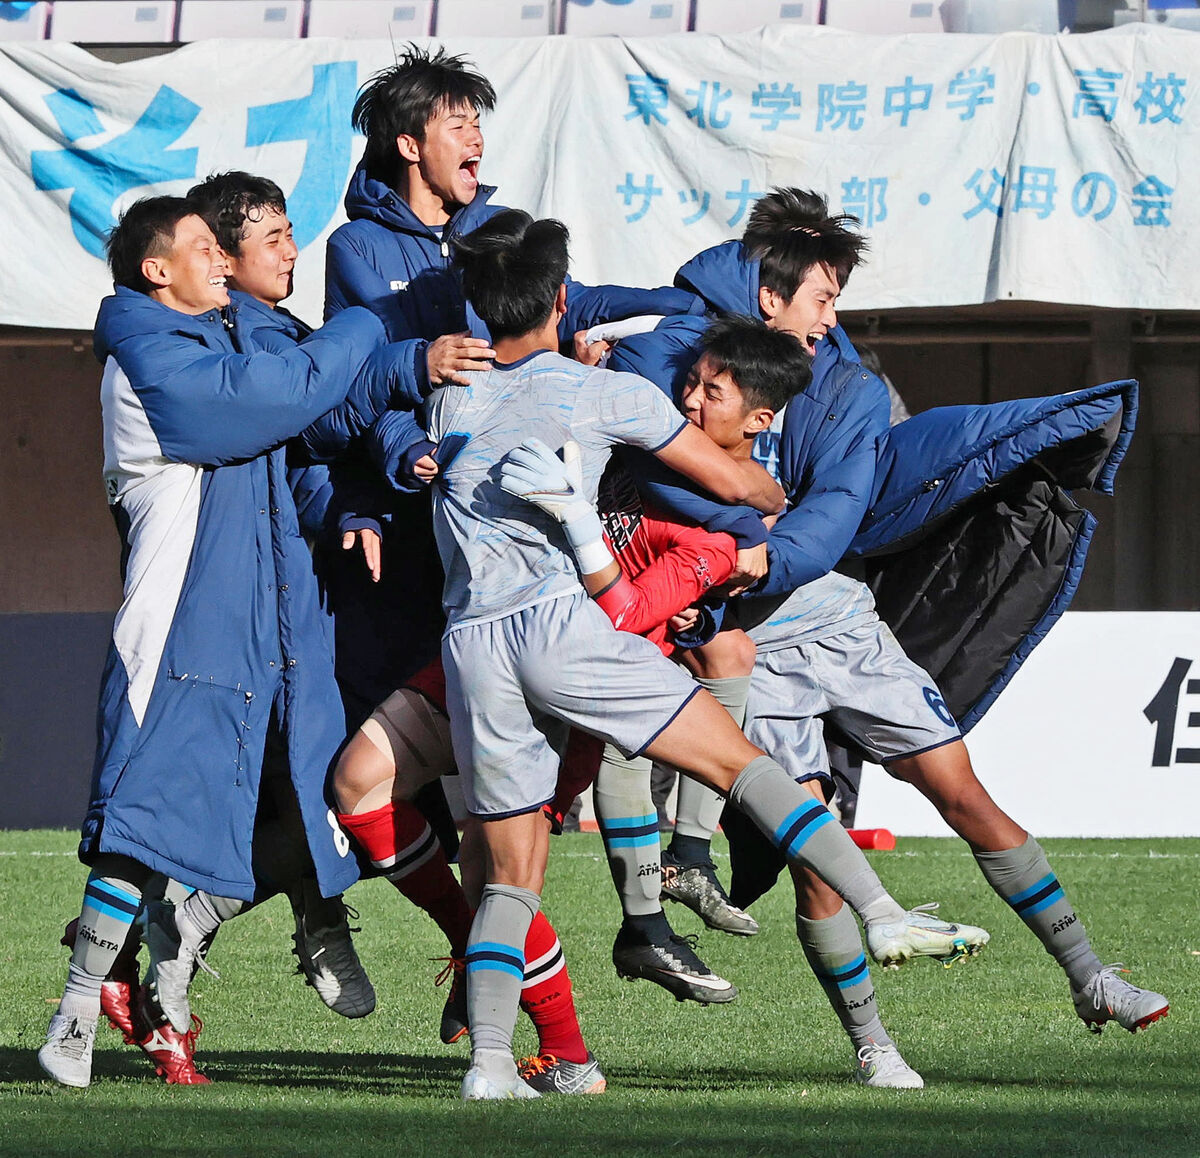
(882,1067)
(1107,997)
(919,934)
(478,1087)
(67,1054)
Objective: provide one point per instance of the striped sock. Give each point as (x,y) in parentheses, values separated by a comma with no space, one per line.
(110,904)
(495,972)
(1023,877)
(806,832)
(398,840)
(834,950)
(546,994)
(629,825)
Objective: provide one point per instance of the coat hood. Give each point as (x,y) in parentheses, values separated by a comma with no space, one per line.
(724,277)
(369,199)
(128,312)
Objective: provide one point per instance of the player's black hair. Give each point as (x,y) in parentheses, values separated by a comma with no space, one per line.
(511,268)
(403,98)
(769,366)
(227,201)
(791,230)
(146,229)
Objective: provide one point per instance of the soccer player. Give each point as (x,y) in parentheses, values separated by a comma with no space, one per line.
(822,649)
(526,652)
(218,642)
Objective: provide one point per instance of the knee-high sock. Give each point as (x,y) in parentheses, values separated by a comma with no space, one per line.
(806,832)
(629,825)
(1023,877)
(834,950)
(202,914)
(398,839)
(110,903)
(495,972)
(546,994)
(698,809)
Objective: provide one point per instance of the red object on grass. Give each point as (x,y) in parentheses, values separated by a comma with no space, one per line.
(880,838)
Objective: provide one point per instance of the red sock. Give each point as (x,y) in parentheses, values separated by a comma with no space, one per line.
(546,994)
(399,840)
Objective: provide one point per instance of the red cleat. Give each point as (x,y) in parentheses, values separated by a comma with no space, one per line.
(170,1051)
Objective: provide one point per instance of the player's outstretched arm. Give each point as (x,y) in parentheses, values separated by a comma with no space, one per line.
(694,454)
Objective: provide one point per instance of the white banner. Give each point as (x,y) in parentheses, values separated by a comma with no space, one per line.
(1098,735)
(1028,167)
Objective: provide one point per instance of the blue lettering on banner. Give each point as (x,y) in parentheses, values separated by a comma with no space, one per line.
(905,99)
(1034,190)
(99,176)
(648,97)
(1152,198)
(1097,95)
(744,197)
(701,200)
(1090,189)
(841,106)
(989,198)
(629,191)
(777,105)
(707,111)
(321,120)
(970,89)
(866,200)
(1160,98)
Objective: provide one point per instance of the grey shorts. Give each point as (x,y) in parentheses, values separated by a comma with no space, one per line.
(514,685)
(862,680)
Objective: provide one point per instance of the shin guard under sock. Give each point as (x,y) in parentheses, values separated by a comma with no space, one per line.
(698,808)
(629,826)
(546,994)
(110,904)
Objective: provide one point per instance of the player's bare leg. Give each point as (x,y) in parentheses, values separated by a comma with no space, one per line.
(1015,866)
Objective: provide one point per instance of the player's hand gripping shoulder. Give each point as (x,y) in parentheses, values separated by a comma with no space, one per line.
(533,472)
(451,356)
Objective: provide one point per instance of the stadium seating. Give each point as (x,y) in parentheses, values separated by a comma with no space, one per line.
(625,17)
(995,16)
(113,21)
(370,19)
(23,21)
(496,17)
(883,17)
(720,16)
(230,19)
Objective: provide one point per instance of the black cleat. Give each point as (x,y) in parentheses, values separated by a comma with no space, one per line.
(673,964)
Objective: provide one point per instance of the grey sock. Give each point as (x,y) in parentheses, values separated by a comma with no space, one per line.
(495,964)
(201,915)
(110,903)
(1023,877)
(629,825)
(806,832)
(698,810)
(834,950)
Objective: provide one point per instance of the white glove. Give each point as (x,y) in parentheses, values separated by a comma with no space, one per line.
(533,472)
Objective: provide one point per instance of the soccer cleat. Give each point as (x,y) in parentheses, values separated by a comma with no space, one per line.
(478,1087)
(919,934)
(454,1012)
(697,887)
(67,1054)
(328,960)
(1107,997)
(673,965)
(171,1052)
(552,1075)
(882,1067)
(173,962)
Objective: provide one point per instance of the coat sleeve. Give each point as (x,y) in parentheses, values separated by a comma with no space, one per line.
(588,306)
(396,375)
(663,355)
(210,408)
(393,444)
(827,467)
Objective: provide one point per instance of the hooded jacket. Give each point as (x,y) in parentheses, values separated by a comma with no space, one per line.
(961,517)
(220,618)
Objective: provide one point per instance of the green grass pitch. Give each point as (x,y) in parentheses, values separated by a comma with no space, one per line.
(1009,1068)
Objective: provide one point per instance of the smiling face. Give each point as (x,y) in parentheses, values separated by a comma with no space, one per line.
(443,170)
(810,315)
(191,277)
(714,402)
(266,256)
